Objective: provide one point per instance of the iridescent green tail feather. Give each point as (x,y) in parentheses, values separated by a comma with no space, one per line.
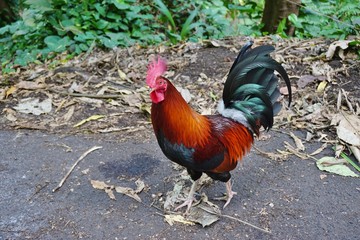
(252,86)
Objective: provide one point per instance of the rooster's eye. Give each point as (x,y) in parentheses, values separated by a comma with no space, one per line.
(161,82)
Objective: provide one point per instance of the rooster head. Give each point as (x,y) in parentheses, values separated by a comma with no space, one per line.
(155,81)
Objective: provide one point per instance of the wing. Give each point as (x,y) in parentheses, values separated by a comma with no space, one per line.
(226,145)
(198,158)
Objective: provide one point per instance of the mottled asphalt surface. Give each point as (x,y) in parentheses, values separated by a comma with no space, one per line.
(287,197)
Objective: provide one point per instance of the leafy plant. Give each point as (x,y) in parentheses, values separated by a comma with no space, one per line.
(46,28)
(246,16)
(332,19)
(174,34)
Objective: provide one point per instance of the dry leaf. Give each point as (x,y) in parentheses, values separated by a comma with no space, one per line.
(309,136)
(122,75)
(203,76)
(68,114)
(295,151)
(125,91)
(320,69)
(319,150)
(114,103)
(172,197)
(110,193)
(100,184)
(34,106)
(128,192)
(356,152)
(103,186)
(342,44)
(216,43)
(321,87)
(2,93)
(206,111)
(305,80)
(280,156)
(10,114)
(349,129)
(124,190)
(92,118)
(140,185)
(171,219)
(298,142)
(146,108)
(284,90)
(30,85)
(97,102)
(10,91)
(339,148)
(133,99)
(203,214)
(75,88)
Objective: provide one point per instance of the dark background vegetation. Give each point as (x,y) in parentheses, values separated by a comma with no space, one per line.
(37,30)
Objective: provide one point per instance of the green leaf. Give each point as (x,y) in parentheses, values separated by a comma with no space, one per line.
(101,24)
(164,10)
(293,18)
(109,43)
(120,6)
(29,17)
(187,26)
(328,164)
(101,9)
(41,5)
(281,28)
(4,29)
(57,44)
(69,26)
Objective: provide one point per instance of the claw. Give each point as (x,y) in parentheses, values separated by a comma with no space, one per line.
(188,202)
(229,193)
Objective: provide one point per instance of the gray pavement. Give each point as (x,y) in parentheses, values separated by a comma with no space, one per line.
(288,197)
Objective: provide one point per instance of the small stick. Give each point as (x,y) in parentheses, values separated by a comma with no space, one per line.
(246,223)
(237,219)
(73,166)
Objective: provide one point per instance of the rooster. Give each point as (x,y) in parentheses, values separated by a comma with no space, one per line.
(214,144)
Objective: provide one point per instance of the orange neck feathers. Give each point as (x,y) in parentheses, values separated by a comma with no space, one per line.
(178,122)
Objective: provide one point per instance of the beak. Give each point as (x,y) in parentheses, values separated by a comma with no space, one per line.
(154,88)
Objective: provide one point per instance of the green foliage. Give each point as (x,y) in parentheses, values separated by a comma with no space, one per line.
(331,19)
(46,28)
(246,16)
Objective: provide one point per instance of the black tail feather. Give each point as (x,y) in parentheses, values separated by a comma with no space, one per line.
(252,86)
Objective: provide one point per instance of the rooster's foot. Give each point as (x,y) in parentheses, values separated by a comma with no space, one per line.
(190,199)
(229,194)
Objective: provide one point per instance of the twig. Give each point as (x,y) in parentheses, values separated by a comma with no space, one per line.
(246,223)
(73,166)
(101,96)
(236,219)
(296,44)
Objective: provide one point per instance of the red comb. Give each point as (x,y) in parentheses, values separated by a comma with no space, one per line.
(155,70)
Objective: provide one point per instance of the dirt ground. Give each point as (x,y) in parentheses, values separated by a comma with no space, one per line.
(280,190)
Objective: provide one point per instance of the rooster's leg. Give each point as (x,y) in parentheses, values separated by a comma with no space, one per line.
(229,193)
(188,202)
